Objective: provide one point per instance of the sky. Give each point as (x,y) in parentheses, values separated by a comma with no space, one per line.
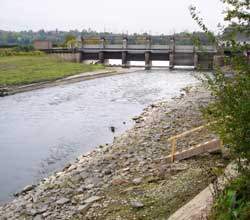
(151,16)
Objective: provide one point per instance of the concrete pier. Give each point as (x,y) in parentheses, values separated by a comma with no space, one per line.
(124,59)
(172,54)
(148,61)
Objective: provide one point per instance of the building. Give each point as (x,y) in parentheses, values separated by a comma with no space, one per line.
(42,44)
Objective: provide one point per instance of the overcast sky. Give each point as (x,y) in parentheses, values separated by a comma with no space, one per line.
(152,16)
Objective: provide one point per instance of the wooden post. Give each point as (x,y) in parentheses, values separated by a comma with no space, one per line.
(173,142)
(221,144)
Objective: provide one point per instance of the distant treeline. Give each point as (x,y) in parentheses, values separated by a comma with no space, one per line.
(11,38)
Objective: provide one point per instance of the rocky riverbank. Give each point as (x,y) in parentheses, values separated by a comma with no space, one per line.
(130,178)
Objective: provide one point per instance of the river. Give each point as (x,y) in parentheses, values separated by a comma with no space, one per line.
(42,130)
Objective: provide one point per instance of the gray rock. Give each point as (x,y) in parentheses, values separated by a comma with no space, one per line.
(84,208)
(62,201)
(107,172)
(137,181)
(72,167)
(84,175)
(89,186)
(28,188)
(31,211)
(42,209)
(136,204)
(92,199)
(38,217)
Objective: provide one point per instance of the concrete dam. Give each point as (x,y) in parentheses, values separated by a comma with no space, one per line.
(177,55)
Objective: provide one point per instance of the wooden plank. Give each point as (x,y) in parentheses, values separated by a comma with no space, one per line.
(173,149)
(210,146)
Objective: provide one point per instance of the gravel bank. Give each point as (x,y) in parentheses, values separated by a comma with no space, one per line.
(130,178)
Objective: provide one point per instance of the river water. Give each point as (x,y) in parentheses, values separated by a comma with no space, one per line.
(42,130)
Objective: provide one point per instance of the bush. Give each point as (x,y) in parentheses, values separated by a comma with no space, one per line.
(231,108)
(27,48)
(234,201)
(231,111)
(14,52)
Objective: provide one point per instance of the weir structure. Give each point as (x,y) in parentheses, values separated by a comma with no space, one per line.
(177,55)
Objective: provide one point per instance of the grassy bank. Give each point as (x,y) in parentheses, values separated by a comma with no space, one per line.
(234,201)
(20,70)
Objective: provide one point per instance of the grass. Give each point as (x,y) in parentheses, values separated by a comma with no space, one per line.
(21,70)
(234,202)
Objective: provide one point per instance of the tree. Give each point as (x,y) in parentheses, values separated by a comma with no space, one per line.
(70,41)
(231,108)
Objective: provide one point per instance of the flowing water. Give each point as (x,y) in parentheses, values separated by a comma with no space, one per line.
(42,130)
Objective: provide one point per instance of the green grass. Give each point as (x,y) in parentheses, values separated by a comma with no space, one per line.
(20,70)
(234,202)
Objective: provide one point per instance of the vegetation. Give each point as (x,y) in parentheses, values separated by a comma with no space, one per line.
(59,38)
(70,41)
(233,202)
(19,70)
(15,52)
(231,109)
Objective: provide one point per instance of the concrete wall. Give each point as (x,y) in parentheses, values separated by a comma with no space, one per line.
(219,61)
(71,57)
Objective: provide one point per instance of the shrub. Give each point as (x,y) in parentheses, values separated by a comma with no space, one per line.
(233,202)
(14,52)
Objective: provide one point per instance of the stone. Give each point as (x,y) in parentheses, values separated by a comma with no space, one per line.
(136,204)
(92,199)
(84,208)
(66,167)
(89,186)
(107,172)
(38,217)
(28,188)
(84,175)
(81,189)
(62,201)
(31,211)
(94,180)
(3,92)
(126,169)
(72,167)
(119,181)
(43,209)
(137,181)
(112,128)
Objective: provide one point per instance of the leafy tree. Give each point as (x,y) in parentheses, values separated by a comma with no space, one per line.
(231,108)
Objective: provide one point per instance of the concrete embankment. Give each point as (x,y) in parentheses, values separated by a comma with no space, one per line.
(67,80)
(129,179)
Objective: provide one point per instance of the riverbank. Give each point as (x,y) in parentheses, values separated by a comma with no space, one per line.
(17,72)
(130,178)
(11,90)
